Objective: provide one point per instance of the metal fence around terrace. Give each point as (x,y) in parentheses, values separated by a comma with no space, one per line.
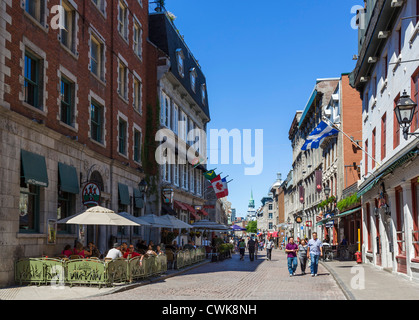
(55,271)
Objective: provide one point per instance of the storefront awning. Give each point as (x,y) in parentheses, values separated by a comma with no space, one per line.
(203,212)
(34,169)
(68,178)
(347,213)
(138,199)
(180,205)
(123,194)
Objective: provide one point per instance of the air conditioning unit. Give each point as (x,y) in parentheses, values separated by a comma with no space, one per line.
(396,3)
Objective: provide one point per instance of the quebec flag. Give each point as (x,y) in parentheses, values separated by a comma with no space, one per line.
(322,131)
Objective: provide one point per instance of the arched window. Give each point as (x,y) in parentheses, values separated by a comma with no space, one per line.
(96,177)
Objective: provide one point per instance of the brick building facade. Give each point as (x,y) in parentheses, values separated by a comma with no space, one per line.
(73,105)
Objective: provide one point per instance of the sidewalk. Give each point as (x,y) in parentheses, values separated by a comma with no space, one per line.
(366,282)
(80,292)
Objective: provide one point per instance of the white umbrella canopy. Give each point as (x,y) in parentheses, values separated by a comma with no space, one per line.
(156,221)
(134,219)
(206,224)
(176,223)
(99,216)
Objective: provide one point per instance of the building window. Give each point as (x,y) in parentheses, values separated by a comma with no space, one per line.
(137,146)
(193,79)
(366,157)
(138,35)
(137,95)
(100,4)
(192,179)
(175,119)
(122,145)
(203,93)
(67,34)
(67,105)
(415,90)
(123,20)
(180,62)
(383,135)
(270,225)
(36,8)
(29,208)
(96,113)
(185,177)
(33,86)
(64,210)
(123,81)
(96,57)
(270,215)
(400,221)
(176,174)
(368,217)
(373,147)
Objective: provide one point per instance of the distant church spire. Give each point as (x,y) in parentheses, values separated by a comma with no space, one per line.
(252,201)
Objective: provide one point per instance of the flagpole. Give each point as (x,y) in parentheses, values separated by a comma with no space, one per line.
(356,143)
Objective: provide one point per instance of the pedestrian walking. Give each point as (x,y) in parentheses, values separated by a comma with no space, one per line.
(315,251)
(302,254)
(242,248)
(256,248)
(269,247)
(291,249)
(251,246)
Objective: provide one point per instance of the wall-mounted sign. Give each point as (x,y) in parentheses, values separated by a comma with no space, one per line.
(298,219)
(91,195)
(309,223)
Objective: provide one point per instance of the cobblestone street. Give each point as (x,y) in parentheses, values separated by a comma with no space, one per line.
(233,279)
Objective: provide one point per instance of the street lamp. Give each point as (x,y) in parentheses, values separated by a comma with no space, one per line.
(143,186)
(405,110)
(327,191)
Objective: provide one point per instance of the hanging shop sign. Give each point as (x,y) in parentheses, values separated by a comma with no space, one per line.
(298,219)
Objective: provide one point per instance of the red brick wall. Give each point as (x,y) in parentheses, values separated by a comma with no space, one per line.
(56,55)
(352,126)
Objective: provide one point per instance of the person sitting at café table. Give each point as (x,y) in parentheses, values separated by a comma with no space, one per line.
(79,250)
(188,246)
(131,253)
(115,252)
(67,251)
(159,251)
(150,251)
(93,250)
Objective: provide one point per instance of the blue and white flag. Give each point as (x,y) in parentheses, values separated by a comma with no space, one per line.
(322,131)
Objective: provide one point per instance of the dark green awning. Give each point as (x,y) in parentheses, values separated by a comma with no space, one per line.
(123,194)
(68,178)
(138,199)
(34,169)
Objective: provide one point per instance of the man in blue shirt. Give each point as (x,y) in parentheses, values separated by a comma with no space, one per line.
(314,252)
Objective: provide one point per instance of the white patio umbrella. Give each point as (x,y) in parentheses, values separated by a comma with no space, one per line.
(156,222)
(206,224)
(176,223)
(99,216)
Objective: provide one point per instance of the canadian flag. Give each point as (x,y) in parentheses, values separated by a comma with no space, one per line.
(219,187)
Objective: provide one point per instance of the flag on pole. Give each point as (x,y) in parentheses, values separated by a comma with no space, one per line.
(225,184)
(218,186)
(210,175)
(322,131)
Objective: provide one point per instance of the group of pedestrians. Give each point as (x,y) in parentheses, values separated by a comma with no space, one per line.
(312,250)
(253,246)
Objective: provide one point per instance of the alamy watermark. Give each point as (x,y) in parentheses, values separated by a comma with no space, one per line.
(359,20)
(246,148)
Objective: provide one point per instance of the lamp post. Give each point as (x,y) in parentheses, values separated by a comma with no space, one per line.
(405,110)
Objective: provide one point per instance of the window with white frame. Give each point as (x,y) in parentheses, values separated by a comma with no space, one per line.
(100,4)
(137,145)
(69,31)
(175,118)
(183,125)
(185,172)
(97,57)
(123,80)
(138,34)
(191,179)
(203,93)
(36,9)
(193,79)
(180,62)
(123,20)
(137,98)
(176,174)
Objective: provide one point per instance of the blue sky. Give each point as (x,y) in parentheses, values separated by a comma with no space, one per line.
(261,60)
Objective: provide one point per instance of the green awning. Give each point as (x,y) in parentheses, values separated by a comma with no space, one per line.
(34,169)
(138,199)
(68,178)
(347,213)
(123,194)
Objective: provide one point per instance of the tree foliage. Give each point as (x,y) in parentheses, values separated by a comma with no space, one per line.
(252,227)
